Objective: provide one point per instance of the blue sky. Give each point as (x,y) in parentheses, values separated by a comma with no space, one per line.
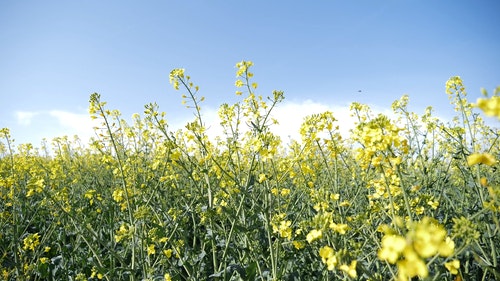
(54,54)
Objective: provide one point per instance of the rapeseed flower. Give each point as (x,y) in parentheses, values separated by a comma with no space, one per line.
(424,239)
(239,83)
(284,229)
(328,257)
(168,253)
(429,239)
(151,249)
(481,158)
(340,228)
(392,247)
(351,269)
(174,77)
(124,232)
(314,235)
(453,266)
(490,107)
(299,244)
(411,266)
(31,241)
(262,177)
(285,192)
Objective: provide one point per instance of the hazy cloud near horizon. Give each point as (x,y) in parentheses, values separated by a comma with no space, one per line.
(289,114)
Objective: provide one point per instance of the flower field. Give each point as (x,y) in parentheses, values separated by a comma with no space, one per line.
(407,197)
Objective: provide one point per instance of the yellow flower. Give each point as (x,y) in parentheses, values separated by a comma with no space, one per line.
(481,158)
(326,252)
(447,247)
(124,232)
(483,181)
(284,229)
(328,257)
(174,77)
(344,203)
(151,250)
(434,204)
(340,228)
(429,238)
(490,107)
(351,269)
(31,241)
(95,274)
(239,83)
(168,253)
(298,244)
(411,266)
(118,195)
(284,192)
(262,177)
(392,247)
(453,266)
(167,277)
(313,235)
(335,196)
(243,67)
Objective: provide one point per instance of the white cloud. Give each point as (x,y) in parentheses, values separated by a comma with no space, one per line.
(24,118)
(70,124)
(290,116)
(34,126)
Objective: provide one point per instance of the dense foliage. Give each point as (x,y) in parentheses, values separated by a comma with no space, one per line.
(399,198)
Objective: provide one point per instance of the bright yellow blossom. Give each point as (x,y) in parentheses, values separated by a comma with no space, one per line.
(340,228)
(429,238)
(490,107)
(284,192)
(298,244)
(328,257)
(284,229)
(351,269)
(31,241)
(481,158)
(453,266)
(168,253)
(313,235)
(151,249)
(262,177)
(239,83)
(411,266)
(392,247)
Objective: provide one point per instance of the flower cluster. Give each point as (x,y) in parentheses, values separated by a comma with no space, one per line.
(423,240)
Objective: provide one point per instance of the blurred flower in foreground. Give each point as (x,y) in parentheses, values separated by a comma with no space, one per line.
(490,107)
(481,158)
